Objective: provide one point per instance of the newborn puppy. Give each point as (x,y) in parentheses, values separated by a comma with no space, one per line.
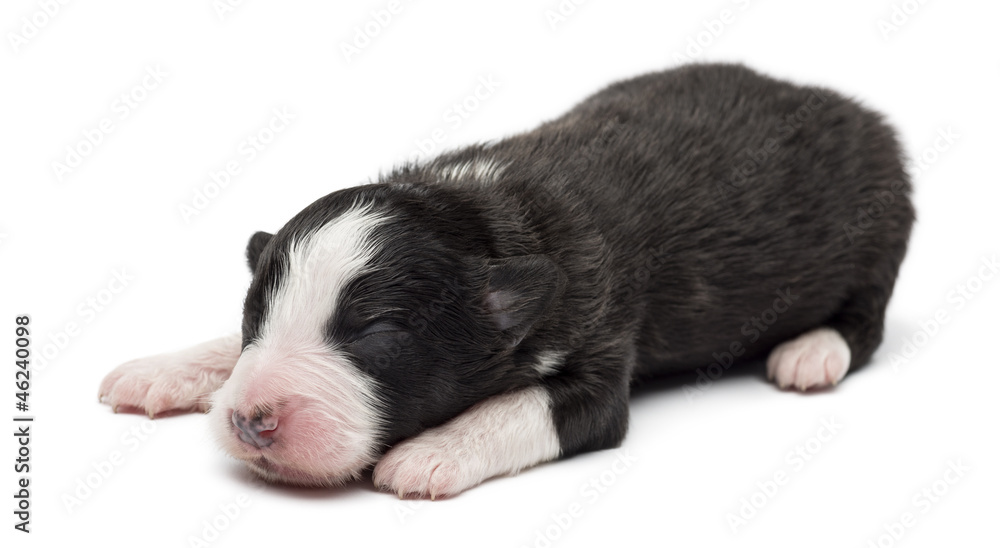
(488,310)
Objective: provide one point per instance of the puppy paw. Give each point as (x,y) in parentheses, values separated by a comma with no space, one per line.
(813,360)
(179,381)
(429,465)
(498,436)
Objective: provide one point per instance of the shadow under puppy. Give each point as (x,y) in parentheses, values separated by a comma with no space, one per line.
(489,309)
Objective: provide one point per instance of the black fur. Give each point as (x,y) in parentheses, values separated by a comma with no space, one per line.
(638,234)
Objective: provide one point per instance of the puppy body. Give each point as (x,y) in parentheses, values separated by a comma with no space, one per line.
(490,309)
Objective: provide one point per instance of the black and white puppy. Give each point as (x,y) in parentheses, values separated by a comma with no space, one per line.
(489,310)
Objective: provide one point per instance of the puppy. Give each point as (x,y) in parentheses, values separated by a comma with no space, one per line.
(489,310)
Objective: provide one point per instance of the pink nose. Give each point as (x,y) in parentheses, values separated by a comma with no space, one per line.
(257,431)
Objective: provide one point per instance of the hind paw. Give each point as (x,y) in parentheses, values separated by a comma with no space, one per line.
(815,359)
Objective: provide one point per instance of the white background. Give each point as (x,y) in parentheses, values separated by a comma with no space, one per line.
(904,418)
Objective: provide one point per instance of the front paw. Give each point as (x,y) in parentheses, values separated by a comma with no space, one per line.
(179,381)
(430,465)
(498,436)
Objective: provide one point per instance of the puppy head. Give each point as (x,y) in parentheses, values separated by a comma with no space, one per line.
(372,316)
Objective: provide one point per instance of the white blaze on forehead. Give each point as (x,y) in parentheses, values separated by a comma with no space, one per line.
(327,411)
(320,265)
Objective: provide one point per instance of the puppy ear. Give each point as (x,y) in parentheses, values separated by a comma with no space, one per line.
(257,243)
(521,291)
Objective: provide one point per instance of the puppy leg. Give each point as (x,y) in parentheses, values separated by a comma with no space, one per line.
(176,381)
(823,356)
(500,435)
(576,410)
(590,400)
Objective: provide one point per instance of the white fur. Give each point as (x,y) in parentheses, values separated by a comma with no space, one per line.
(813,360)
(501,435)
(548,362)
(319,266)
(181,380)
(327,411)
(481,170)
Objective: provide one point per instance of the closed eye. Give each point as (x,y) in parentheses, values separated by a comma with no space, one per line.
(376,328)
